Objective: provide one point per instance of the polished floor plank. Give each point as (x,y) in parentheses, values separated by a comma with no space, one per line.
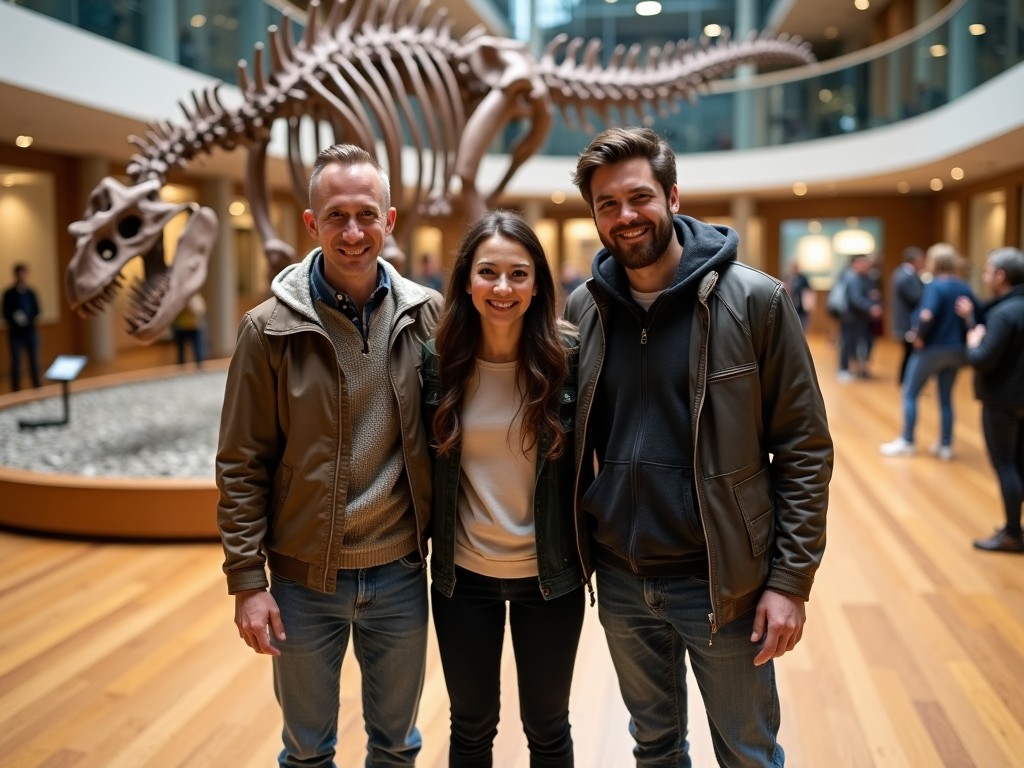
(126,655)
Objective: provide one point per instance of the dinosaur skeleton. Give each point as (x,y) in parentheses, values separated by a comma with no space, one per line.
(381,74)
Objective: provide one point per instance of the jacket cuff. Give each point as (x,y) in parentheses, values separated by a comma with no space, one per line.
(243,581)
(790,582)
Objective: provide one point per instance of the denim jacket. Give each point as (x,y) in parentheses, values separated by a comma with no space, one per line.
(558,561)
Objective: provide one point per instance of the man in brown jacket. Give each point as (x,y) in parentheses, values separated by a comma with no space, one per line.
(324,474)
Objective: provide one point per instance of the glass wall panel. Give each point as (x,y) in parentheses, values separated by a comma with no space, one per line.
(28,220)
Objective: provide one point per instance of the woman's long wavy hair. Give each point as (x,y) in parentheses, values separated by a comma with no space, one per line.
(542,365)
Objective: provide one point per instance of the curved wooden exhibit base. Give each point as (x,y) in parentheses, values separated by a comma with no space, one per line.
(107,507)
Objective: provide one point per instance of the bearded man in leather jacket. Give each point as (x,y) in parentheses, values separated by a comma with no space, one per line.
(703,457)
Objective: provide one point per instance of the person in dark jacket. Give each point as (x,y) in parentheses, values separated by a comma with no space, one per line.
(906,288)
(994,350)
(703,460)
(499,397)
(863,308)
(21,308)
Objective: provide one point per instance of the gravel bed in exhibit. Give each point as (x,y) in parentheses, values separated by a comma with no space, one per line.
(156,428)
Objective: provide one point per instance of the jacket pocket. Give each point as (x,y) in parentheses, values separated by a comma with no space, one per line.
(754,497)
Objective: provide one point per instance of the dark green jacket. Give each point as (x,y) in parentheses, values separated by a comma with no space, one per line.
(558,561)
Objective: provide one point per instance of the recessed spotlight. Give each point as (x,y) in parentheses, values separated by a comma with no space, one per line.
(831,32)
(713,30)
(956,173)
(824,95)
(903,187)
(799,189)
(861,5)
(237,208)
(938,50)
(935,184)
(197,21)
(24,141)
(558,197)
(977,29)
(648,8)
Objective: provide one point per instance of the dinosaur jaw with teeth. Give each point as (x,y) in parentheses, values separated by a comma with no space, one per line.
(126,223)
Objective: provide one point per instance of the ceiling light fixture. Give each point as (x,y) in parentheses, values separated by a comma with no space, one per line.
(935,184)
(903,187)
(977,29)
(558,197)
(799,189)
(24,141)
(938,50)
(648,8)
(861,5)
(713,30)
(956,173)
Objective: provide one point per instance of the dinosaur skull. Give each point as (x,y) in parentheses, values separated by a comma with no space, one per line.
(121,223)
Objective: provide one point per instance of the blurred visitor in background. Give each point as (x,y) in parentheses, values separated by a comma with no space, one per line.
(939,338)
(994,349)
(21,308)
(906,288)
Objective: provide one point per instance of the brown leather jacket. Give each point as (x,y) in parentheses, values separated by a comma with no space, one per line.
(762,449)
(282,458)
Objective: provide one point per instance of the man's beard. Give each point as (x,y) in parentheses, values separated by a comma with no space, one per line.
(639,256)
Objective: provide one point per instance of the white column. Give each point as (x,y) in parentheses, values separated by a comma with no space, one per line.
(160,30)
(101,345)
(221,279)
(742,209)
(745,119)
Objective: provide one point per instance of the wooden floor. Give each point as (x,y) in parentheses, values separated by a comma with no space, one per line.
(119,655)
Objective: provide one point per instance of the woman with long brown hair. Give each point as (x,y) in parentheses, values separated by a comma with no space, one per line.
(499,395)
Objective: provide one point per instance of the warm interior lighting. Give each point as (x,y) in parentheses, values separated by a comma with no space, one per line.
(558,197)
(799,189)
(24,141)
(197,21)
(831,32)
(977,29)
(648,8)
(814,253)
(956,173)
(938,50)
(237,208)
(861,5)
(903,187)
(814,227)
(935,184)
(824,95)
(850,242)
(713,30)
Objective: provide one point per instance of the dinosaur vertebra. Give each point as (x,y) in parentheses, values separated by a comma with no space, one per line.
(370,71)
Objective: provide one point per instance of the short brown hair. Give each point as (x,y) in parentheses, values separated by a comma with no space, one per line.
(616,145)
(347,154)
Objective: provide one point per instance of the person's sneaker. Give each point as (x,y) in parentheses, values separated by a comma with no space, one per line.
(944,452)
(897,447)
(844,377)
(1001,542)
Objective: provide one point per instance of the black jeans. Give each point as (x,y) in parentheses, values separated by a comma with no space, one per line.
(470,629)
(25,343)
(1004,438)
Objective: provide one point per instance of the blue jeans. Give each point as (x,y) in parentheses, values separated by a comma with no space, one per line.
(385,610)
(942,363)
(470,629)
(651,624)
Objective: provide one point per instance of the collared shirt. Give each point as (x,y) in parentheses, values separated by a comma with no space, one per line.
(342,302)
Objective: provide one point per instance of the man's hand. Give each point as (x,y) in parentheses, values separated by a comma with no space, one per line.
(975,335)
(256,615)
(783,616)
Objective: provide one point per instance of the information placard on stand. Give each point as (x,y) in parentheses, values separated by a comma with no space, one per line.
(65,369)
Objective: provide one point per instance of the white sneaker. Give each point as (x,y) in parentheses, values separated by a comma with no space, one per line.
(897,447)
(845,377)
(944,452)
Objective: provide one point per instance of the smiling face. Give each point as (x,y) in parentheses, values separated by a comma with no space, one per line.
(350,220)
(632,214)
(502,283)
